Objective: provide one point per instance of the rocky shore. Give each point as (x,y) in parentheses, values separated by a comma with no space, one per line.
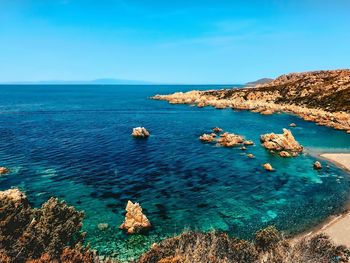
(322,97)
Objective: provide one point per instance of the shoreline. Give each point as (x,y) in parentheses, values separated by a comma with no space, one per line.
(336,226)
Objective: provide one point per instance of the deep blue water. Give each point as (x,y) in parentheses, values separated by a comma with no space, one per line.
(74,142)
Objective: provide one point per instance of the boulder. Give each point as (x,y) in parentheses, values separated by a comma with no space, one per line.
(268,167)
(281,142)
(135,221)
(140,132)
(250,155)
(243,148)
(317,165)
(230,139)
(4,170)
(292,125)
(217,129)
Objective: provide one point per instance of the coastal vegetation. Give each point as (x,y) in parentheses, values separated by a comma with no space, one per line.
(52,233)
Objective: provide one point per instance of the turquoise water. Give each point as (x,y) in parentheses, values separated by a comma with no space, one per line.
(74,142)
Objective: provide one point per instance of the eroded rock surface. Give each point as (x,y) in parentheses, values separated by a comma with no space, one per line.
(281,142)
(135,221)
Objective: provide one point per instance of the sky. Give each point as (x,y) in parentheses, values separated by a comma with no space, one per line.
(165,41)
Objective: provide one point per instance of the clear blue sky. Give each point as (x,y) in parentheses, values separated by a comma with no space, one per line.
(204,41)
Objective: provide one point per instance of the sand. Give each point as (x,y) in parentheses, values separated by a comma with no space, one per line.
(340,159)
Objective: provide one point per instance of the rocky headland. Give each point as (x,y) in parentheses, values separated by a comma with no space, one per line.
(319,96)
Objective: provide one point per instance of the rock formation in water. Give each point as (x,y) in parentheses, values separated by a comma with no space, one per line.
(281,142)
(248,142)
(318,96)
(317,165)
(268,167)
(292,125)
(140,132)
(4,170)
(135,221)
(250,155)
(229,139)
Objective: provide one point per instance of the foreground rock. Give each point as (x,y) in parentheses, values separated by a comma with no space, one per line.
(135,221)
(4,170)
(318,96)
(15,195)
(281,142)
(140,132)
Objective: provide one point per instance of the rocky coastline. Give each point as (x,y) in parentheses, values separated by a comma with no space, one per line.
(322,97)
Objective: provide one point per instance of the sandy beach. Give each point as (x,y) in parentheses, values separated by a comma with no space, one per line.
(340,159)
(338,226)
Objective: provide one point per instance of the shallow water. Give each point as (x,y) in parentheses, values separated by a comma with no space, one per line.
(74,142)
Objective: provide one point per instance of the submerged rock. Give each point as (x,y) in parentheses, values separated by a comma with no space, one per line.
(250,155)
(4,170)
(281,142)
(102,226)
(135,221)
(140,132)
(317,165)
(268,167)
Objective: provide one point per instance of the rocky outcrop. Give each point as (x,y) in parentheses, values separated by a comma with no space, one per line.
(319,96)
(135,221)
(268,167)
(140,132)
(4,170)
(284,154)
(281,142)
(317,165)
(229,139)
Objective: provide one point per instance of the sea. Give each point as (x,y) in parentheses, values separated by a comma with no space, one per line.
(74,142)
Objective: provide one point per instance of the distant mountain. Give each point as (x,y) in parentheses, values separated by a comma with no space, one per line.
(259,81)
(82,82)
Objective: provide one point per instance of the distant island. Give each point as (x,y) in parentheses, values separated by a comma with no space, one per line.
(103,81)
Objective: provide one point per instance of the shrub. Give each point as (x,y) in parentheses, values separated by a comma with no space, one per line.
(267,238)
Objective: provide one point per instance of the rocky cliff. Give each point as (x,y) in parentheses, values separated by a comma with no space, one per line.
(319,96)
